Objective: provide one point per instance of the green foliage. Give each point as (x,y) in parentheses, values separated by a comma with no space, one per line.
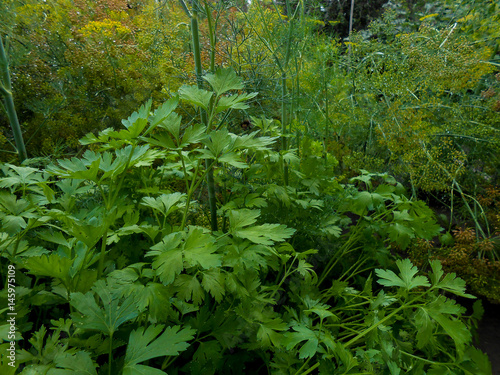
(146,344)
(112,247)
(160,295)
(467,257)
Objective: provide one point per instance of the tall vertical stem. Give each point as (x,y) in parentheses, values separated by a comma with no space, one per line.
(199,72)
(6,91)
(351,16)
(212,37)
(110,353)
(210,175)
(284,145)
(284,68)
(327,114)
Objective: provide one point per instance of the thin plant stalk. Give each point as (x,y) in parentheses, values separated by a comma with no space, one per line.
(351,16)
(283,67)
(327,116)
(110,352)
(284,89)
(193,15)
(210,172)
(6,91)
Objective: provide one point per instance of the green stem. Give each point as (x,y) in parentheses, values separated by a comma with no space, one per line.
(6,91)
(285,276)
(309,370)
(435,362)
(352,271)
(184,169)
(212,202)
(327,116)
(113,197)
(212,38)
(351,16)
(110,353)
(283,125)
(283,87)
(192,189)
(199,71)
(345,249)
(382,321)
(102,255)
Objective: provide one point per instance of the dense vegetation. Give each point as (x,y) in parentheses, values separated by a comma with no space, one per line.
(226,187)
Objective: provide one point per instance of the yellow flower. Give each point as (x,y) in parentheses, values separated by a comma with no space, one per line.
(428,16)
(106,28)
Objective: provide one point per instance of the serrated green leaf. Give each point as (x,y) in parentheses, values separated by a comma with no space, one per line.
(199,249)
(14,213)
(11,205)
(234,102)
(402,216)
(302,333)
(425,328)
(248,256)
(168,264)
(189,288)
(106,319)
(304,268)
(252,142)
(194,248)
(254,200)
(269,334)
(138,118)
(321,312)
(173,125)
(478,310)
(165,203)
(345,356)
(265,234)
(233,159)
(193,134)
(218,142)
(454,328)
(84,168)
(365,201)
(400,234)
(82,254)
(406,279)
(23,176)
(476,362)
(12,224)
(129,156)
(213,282)
(393,368)
(440,310)
(79,363)
(162,113)
(142,370)
(162,140)
(154,297)
(242,218)
(52,265)
(145,344)
(424,224)
(224,80)
(196,96)
(450,283)
(55,237)
(206,358)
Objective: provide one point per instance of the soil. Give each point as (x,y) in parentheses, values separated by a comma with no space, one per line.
(489,335)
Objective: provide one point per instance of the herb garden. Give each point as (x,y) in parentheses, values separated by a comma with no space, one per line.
(248,187)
